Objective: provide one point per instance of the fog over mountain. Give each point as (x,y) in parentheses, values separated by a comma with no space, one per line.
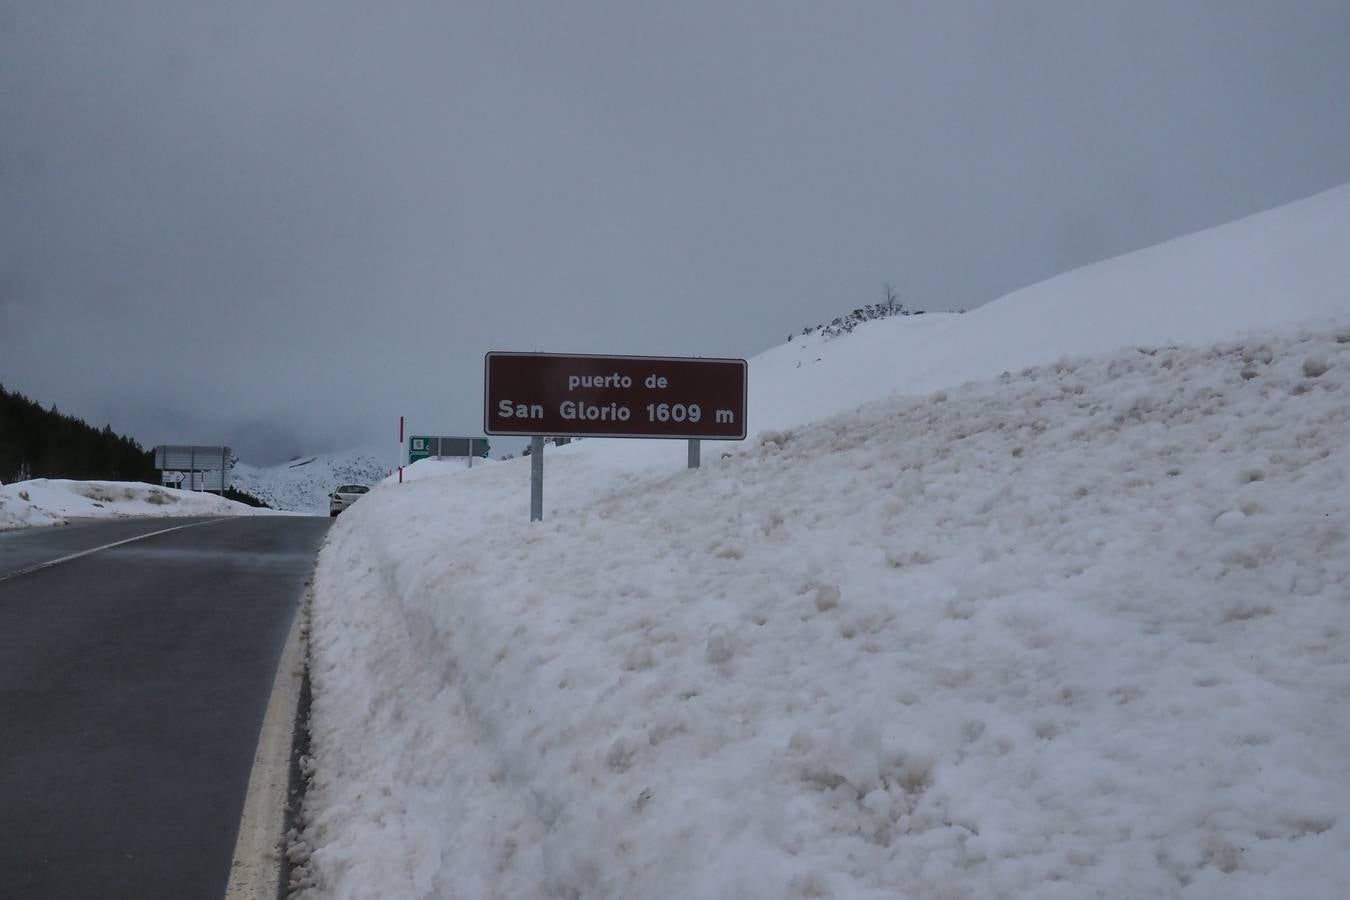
(280,226)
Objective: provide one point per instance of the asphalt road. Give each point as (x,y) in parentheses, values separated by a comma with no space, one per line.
(33,546)
(133,683)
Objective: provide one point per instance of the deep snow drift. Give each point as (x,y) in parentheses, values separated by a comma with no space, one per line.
(1082,629)
(53,501)
(438,468)
(1078,630)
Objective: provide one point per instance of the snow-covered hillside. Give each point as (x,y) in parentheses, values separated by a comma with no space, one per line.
(304,484)
(1077,629)
(51,501)
(1281,266)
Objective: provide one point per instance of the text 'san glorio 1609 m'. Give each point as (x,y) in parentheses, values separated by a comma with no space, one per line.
(614,396)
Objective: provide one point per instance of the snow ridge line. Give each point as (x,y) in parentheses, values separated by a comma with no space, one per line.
(6,576)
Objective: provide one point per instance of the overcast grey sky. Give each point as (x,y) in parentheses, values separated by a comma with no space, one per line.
(280,225)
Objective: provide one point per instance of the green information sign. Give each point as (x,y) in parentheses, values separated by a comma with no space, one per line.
(422,446)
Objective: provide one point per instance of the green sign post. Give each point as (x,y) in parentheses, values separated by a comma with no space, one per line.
(421,446)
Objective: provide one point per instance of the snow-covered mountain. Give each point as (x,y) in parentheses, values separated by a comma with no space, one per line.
(304,484)
(1060,611)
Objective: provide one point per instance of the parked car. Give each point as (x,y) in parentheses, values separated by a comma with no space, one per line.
(344,497)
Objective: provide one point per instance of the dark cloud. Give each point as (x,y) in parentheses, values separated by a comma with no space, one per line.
(279,226)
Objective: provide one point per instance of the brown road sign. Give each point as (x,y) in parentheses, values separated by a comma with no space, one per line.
(614,396)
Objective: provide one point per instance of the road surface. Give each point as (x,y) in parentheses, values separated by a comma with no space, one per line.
(133,682)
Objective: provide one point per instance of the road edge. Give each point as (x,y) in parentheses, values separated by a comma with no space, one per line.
(298,878)
(255,871)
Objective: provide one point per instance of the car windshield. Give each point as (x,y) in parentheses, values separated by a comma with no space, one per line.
(352,489)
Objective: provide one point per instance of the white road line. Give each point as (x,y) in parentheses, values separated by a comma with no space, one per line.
(140,537)
(255,872)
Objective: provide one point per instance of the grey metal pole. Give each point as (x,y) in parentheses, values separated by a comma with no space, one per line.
(537,478)
(693,453)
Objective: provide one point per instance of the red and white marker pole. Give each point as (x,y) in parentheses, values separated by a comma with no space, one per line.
(400,449)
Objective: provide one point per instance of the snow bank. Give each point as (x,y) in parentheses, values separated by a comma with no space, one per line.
(437,468)
(1076,631)
(1073,630)
(44,501)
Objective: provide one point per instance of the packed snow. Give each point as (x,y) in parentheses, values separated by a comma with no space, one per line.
(303,484)
(1073,629)
(431,467)
(44,501)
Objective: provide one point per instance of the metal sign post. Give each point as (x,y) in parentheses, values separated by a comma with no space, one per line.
(205,468)
(565,396)
(429,446)
(537,478)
